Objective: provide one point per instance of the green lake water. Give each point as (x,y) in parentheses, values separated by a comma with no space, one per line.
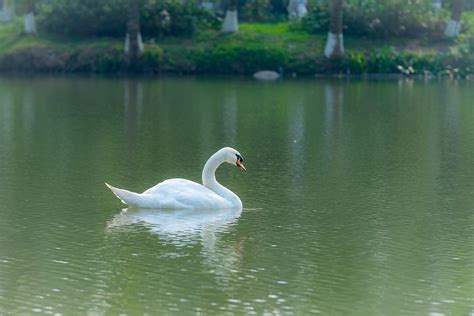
(358,200)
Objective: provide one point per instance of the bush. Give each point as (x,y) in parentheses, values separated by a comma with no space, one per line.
(153,57)
(30,59)
(84,18)
(108,17)
(380,19)
(255,10)
(175,17)
(96,60)
(317,19)
(234,58)
(386,60)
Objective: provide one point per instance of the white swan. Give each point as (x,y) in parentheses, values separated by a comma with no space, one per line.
(185,194)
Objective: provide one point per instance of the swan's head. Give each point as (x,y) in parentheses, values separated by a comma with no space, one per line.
(233,157)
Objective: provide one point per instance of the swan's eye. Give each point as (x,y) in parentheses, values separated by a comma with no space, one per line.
(239,158)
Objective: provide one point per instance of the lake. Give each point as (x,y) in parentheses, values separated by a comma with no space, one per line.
(358,200)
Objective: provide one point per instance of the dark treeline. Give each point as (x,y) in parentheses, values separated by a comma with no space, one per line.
(185,17)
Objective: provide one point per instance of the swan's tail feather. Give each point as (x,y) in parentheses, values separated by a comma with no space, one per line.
(127,197)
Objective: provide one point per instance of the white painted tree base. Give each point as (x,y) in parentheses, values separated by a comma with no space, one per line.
(331,44)
(30,24)
(5,16)
(452,28)
(7,13)
(297,9)
(231,23)
(437,4)
(301,10)
(141,48)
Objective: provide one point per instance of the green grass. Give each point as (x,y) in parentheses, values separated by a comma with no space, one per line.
(12,38)
(280,35)
(468,21)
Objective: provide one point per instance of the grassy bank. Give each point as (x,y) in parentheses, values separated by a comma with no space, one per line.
(254,47)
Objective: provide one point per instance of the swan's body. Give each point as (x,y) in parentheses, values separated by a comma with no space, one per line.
(186,194)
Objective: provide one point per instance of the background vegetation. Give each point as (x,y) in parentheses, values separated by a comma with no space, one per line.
(180,36)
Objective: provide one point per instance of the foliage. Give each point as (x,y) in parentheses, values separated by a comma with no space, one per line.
(96,59)
(381,19)
(387,60)
(33,58)
(175,17)
(279,7)
(264,10)
(317,19)
(254,47)
(108,17)
(23,6)
(234,58)
(153,57)
(84,18)
(255,10)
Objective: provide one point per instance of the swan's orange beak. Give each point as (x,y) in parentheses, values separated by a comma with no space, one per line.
(240,165)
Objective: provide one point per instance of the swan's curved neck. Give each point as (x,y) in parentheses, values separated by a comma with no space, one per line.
(209,172)
(210,182)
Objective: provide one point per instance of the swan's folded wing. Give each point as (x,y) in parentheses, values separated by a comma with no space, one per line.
(181,193)
(175,184)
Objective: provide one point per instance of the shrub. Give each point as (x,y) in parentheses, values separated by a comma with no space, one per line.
(153,57)
(388,61)
(108,17)
(96,60)
(84,18)
(379,19)
(317,19)
(30,59)
(255,10)
(175,17)
(234,58)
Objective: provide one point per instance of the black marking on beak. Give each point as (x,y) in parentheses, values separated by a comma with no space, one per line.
(239,164)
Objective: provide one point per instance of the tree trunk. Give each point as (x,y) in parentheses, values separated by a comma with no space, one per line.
(454,24)
(133,39)
(231,22)
(29,18)
(335,44)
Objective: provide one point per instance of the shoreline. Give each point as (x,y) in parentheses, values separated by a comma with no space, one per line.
(375,77)
(295,54)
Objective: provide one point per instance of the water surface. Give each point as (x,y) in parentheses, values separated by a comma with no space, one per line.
(358,200)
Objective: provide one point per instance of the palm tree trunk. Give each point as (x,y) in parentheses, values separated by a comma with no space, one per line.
(454,24)
(133,40)
(29,18)
(335,44)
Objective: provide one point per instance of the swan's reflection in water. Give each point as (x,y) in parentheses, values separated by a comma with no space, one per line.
(173,224)
(186,227)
